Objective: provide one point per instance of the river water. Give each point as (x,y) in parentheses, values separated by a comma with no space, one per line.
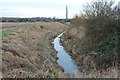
(64,59)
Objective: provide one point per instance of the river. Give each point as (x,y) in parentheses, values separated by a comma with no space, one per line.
(64,59)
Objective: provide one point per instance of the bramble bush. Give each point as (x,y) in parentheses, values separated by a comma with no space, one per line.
(101,21)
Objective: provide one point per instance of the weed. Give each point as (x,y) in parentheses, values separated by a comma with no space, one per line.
(40,75)
(93,78)
(55,75)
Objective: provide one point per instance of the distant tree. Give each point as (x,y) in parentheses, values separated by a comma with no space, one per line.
(54,18)
(3,20)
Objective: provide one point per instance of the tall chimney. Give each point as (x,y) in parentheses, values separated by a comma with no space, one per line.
(66,13)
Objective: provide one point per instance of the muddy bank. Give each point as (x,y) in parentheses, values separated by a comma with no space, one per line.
(29,51)
(71,41)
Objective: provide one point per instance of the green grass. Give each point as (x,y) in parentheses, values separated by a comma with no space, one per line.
(40,75)
(7,33)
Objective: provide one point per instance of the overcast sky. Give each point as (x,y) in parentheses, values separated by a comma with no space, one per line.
(41,8)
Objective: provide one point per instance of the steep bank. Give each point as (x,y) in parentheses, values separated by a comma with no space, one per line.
(72,40)
(28,51)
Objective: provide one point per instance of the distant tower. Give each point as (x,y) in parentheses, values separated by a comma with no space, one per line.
(66,13)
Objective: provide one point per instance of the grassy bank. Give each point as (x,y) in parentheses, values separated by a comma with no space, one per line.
(28,51)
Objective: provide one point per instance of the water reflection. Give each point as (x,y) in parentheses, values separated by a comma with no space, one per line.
(64,60)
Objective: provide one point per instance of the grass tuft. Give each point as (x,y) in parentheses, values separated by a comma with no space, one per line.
(7,33)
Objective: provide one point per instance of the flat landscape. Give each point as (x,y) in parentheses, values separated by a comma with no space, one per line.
(61,43)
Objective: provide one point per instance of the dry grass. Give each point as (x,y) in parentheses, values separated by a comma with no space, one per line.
(29,50)
(77,32)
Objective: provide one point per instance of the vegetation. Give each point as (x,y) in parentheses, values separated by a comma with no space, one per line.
(100,19)
(7,33)
(29,51)
(34,19)
(52,75)
(41,43)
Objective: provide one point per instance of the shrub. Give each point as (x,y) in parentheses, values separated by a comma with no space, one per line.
(100,20)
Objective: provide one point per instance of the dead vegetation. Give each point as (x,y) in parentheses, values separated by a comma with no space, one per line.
(28,51)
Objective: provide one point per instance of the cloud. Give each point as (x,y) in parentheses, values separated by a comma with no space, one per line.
(42,8)
(33,12)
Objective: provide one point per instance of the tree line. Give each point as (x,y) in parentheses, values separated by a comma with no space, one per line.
(34,19)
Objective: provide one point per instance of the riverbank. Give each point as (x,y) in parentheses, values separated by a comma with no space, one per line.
(28,51)
(72,42)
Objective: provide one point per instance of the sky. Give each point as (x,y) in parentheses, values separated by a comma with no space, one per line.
(41,8)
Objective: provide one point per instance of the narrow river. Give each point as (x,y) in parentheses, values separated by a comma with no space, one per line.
(64,60)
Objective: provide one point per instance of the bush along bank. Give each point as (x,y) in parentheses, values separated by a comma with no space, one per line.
(93,38)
